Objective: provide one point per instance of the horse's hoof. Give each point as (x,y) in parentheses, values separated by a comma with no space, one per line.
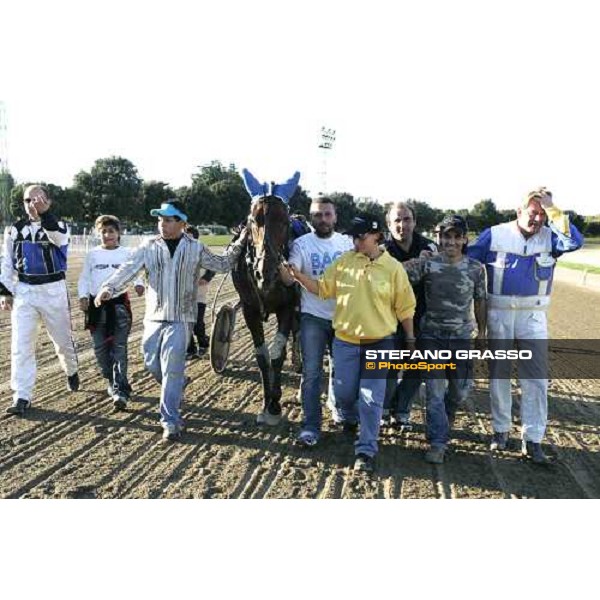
(266,418)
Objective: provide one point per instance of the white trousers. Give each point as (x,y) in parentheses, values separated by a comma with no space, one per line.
(48,303)
(506,324)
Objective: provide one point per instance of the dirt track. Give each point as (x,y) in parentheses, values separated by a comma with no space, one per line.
(75,446)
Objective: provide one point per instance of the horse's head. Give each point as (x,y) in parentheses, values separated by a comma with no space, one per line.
(268,223)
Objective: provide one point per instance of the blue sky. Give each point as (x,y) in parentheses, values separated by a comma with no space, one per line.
(446,102)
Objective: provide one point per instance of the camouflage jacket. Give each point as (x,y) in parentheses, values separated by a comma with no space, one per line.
(449,292)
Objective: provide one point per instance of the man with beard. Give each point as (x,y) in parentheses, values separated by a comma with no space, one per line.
(312,254)
(405,244)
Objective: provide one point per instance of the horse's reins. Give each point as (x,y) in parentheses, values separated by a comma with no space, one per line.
(278,253)
(267,247)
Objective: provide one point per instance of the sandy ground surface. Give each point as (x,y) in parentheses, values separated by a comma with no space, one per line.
(75,446)
(588,255)
(583,280)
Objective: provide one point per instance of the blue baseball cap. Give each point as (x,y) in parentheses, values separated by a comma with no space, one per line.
(167,209)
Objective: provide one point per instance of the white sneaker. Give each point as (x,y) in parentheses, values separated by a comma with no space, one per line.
(171,433)
(336,415)
(119,402)
(307,438)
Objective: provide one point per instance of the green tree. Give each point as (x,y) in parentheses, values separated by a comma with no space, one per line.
(576,219)
(67,203)
(483,215)
(111,187)
(218,195)
(154,193)
(592,227)
(507,214)
(215,172)
(7,183)
(71,204)
(345,207)
(16,200)
(427,217)
(366,205)
(300,202)
(231,203)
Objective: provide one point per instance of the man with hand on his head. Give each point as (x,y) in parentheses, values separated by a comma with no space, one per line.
(520,257)
(33,286)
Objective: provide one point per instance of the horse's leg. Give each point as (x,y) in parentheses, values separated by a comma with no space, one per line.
(263,360)
(285,315)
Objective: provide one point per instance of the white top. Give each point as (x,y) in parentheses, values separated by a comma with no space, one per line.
(100,264)
(312,255)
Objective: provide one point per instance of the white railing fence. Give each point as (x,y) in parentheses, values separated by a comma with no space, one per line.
(80,244)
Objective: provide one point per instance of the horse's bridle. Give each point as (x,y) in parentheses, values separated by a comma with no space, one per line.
(267,246)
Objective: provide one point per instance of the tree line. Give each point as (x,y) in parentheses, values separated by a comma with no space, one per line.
(216,196)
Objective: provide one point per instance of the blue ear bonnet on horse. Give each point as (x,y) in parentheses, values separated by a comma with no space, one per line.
(284,191)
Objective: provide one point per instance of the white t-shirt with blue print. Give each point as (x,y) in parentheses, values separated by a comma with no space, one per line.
(312,255)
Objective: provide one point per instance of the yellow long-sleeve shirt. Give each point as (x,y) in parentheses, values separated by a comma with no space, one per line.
(371,296)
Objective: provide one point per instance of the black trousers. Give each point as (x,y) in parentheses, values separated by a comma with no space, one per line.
(198,338)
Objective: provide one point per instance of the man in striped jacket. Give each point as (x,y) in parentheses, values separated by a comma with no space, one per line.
(172,263)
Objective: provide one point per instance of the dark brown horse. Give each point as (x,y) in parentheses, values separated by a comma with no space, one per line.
(258,283)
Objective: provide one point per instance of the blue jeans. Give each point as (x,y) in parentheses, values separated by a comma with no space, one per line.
(111,352)
(164,346)
(442,400)
(360,398)
(399,396)
(316,336)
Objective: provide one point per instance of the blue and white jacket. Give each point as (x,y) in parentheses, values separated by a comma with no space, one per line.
(34,252)
(520,270)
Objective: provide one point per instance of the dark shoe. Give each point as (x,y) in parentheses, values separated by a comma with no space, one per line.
(350,428)
(18,407)
(73,382)
(402,425)
(436,455)
(192,356)
(364,463)
(499,441)
(534,452)
(386,419)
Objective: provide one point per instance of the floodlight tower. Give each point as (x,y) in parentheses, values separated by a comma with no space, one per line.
(4,183)
(326,140)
